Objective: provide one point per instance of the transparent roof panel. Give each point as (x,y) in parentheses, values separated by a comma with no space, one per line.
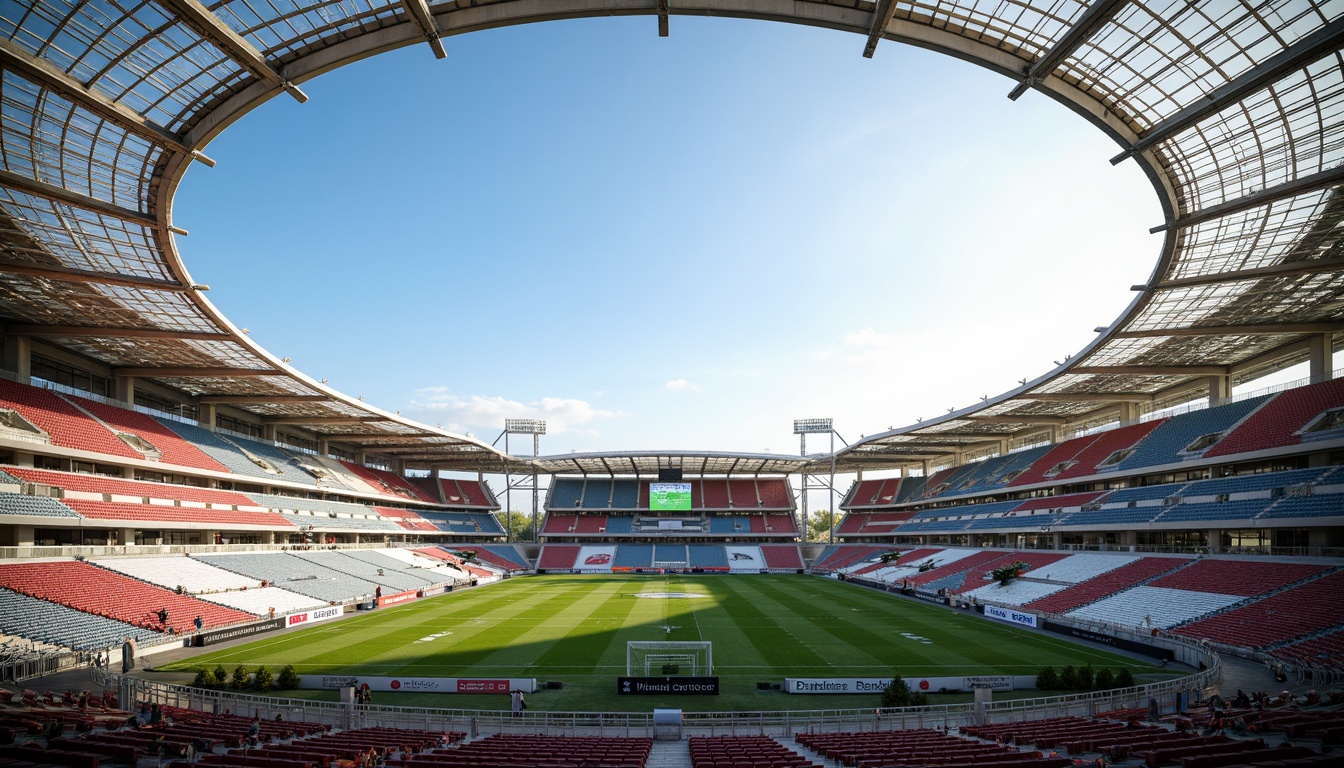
(46,138)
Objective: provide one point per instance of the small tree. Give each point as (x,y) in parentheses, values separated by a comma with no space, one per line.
(1105,680)
(897,693)
(1086,678)
(239,680)
(1124,678)
(204,678)
(1047,680)
(262,680)
(288,679)
(1068,679)
(221,675)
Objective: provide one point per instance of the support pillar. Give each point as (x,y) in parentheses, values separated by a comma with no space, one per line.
(19,355)
(125,390)
(323,446)
(205,415)
(1320,348)
(268,432)
(1129,413)
(1220,389)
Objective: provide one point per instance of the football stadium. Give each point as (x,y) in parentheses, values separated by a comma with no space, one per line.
(1133,558)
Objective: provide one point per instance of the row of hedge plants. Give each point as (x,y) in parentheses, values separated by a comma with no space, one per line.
(241,679)
(1073,678)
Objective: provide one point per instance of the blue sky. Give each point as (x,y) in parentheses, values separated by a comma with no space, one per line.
(679,243)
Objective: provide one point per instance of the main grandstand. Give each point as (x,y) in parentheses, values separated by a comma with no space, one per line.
(1126,494)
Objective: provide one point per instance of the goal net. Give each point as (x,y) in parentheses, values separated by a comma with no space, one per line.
(653,658)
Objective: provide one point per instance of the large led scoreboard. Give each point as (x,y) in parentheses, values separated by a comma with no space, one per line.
(669,497)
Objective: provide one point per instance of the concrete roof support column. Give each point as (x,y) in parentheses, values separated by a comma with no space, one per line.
(19,355)
(1220,388)
(1322,354)
(323,446)
(205,415)
(125,390)
(1129,413)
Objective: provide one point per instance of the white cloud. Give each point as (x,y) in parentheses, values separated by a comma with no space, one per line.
(485,415)
(681,385)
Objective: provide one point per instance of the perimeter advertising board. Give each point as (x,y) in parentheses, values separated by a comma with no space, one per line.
(421,684)
(1012,617)
(311,617)
(667,686)
(233,633)
(870,685)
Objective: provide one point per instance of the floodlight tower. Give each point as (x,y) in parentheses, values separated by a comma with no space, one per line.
(811,479)
(536,428)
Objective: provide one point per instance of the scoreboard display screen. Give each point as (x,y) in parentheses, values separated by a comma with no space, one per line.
(669,497)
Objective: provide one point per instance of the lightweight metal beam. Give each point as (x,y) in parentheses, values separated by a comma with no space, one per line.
(882,14)
(418,10)
(1327,178)
(1323,41)
(196,373)
(663,11)
(1286,269)
(260,399)
(114,333)
(209,26)
(1089,397)
(1025,419)
(71,275)
(1262,329)
(61,195)
(1149,370)
(317,420)
(41,72)
(1096,15)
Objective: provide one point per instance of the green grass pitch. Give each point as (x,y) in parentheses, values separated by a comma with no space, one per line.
(574,629)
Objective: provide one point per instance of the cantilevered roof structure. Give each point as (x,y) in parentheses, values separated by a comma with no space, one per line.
(1232,108)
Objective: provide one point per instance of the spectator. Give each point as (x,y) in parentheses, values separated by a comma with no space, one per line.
(516,703)
(254,731)
(198,622)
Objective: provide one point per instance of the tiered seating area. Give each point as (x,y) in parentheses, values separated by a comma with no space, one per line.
(501,556)
(233,452)
(920,747)
(506,750)
(1238,577)
(1167,443)
(1279,618)
(834,558)
(283,569)
(1097,448)
(134,489)
(370,523)
(782,556)
(105,510)
(101,592)
(1153,745)
(193,576)
(40,506)
(1154,606)
(630,495)
(743,752)
(64,424)
(1325,650)
(172,448)
(368,566)
(388,483)
(49,622)
(1279,420)
(1108,583)
(260,600)
(557,557)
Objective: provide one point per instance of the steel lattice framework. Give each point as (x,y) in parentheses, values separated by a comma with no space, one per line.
(1232,107)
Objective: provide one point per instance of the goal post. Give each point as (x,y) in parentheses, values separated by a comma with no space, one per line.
(669,658)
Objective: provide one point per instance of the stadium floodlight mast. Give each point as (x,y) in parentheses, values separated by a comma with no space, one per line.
(803,428)
(536,428)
